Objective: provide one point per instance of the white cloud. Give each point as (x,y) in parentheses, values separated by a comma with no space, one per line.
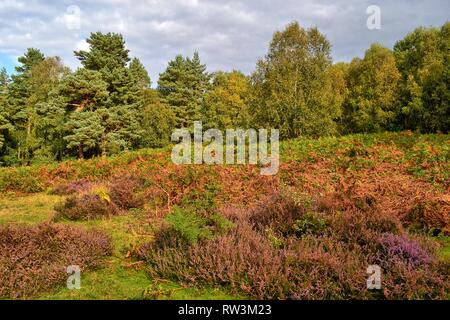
(82,45)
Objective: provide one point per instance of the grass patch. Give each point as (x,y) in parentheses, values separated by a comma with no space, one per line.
(30,209)
(114,282)
(444,252)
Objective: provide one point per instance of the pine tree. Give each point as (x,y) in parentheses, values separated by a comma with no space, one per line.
(4,80)
(106,51)
(5,125)
(21,105)
(20,90)
(85,130)
(108,55)
(139,75)
(183,86)
(121,110)
(84,90)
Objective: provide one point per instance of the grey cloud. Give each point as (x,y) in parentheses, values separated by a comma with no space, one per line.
(228,34)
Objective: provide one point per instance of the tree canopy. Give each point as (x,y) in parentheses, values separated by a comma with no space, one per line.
(49,112)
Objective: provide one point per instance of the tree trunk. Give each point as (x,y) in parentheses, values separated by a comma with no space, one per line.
(104,154)
(80,152)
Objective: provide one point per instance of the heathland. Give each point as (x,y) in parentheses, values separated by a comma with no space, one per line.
(141,227)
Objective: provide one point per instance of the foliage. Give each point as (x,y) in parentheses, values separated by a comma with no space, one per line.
(182,87)
(191,227)
(292,89)
(226,104)
(423,60)
(372,84)
(158,121)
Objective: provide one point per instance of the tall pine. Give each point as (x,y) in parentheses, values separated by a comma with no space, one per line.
(183,86)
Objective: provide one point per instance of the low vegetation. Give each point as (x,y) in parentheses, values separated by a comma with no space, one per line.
(280,250)
(34,259)
(337,206)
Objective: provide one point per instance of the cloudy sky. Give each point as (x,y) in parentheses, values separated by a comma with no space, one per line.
(229,34)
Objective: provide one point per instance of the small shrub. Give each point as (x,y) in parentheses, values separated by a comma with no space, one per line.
(201,201)
(34,259)
(431,215)
(400,248)
(85,207)
(125,192)
(189,226)
(357,150)
(403,281)
(278,212)
(73,187)
(23,179)
(157,291)
(310,223)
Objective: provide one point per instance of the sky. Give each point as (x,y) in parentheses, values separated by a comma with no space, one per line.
(228,34)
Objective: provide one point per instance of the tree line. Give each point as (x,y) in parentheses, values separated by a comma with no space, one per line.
(50,113)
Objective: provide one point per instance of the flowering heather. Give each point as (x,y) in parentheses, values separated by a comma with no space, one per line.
(72,187)
(401,247)
(280,249)
(34,259)
(85,207)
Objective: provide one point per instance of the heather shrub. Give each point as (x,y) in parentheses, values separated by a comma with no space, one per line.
(278,212)
(400,248)
(403,281)
(281,249)
(225,260)
(244,261)
(85,207)
(125,192)
(73,187)
(430,216)
(34,259)
(362,228)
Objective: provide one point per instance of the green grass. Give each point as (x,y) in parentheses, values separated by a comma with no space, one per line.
(30,209)
(118,282)
(113,282)
(444,252)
